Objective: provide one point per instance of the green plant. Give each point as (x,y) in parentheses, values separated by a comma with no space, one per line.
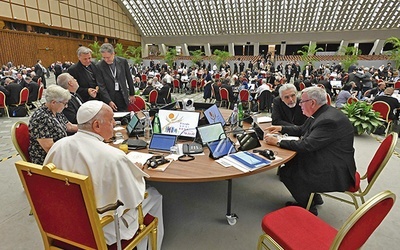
(197,56)
(221,56)
(95,47)
(350,56)
(395,52)
(363,117)
(135,54)
(307,52)
(170,56)
(119,50)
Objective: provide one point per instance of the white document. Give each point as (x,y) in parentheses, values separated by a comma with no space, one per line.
(120,114)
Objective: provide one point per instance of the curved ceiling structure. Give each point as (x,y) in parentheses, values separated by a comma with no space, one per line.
(271,21)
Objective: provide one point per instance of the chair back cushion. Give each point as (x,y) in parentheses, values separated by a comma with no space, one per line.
(20,137)
(60,208)
(2,100)
(379,158)
(223,92)
(244,95)
(24,95)
(363,222)
(153,96)
(383,108)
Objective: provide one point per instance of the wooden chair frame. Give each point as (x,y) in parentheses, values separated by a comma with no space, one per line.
(38,101)
(361,193)
(54,236)
(342,234)
(153,97)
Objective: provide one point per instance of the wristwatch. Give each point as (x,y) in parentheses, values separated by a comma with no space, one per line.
(278,143)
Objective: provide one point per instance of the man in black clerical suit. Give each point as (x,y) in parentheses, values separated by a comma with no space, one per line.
(392,101)
(33,90)
(40,71)
(87,75)
(14,90)
(325,155)
(117,88)
(287,110)
(164,94)
(68,82)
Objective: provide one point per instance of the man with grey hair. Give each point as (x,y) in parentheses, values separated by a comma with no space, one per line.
(325,155)
(117,87)
(114,175)
(287,110)
(87,74)
(68,82)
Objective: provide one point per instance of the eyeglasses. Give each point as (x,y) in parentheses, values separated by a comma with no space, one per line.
(300,102)
(65,103)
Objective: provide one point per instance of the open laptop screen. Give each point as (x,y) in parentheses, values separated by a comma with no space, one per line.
(211,132)
(163,143)
(213,115)
(180,123)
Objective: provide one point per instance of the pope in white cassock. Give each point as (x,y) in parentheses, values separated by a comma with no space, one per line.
(113,175)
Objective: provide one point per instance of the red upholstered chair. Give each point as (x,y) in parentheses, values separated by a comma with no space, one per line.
(384,110)
(375,167)
(352,99)
(153,95)
(302,86)
(3,104)
(397,85)
(328,99)
(224,94)
(139,104)
(64,207)
(193,84)
(23,98)
(296,228)
(244,97)
(176,86)
(144,78)
(20,139)
(39,81)
(38,102)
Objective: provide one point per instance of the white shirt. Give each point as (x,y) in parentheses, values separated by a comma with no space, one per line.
(113,176)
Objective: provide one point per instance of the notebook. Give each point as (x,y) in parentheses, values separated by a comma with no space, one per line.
(213,115)
(162,142)
(211,132)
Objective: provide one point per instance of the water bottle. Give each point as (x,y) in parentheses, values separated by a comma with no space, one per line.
(147,128)
(156,127)
(240,114)
(234,116)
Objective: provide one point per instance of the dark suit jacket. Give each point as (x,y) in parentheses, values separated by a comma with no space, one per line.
(325,153)
(14,89)
(72,109)
(85,79)
(164,94)
(124,78)
(33,91)
(283,115)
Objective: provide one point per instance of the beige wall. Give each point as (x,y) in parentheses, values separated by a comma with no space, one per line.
(96,17)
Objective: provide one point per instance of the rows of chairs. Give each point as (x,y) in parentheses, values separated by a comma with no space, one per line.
(23,100)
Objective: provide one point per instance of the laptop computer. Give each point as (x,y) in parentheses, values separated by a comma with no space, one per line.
(213,115)
(162,142)
(211,132)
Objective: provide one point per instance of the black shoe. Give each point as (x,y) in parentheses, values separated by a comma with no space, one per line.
(318,200)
